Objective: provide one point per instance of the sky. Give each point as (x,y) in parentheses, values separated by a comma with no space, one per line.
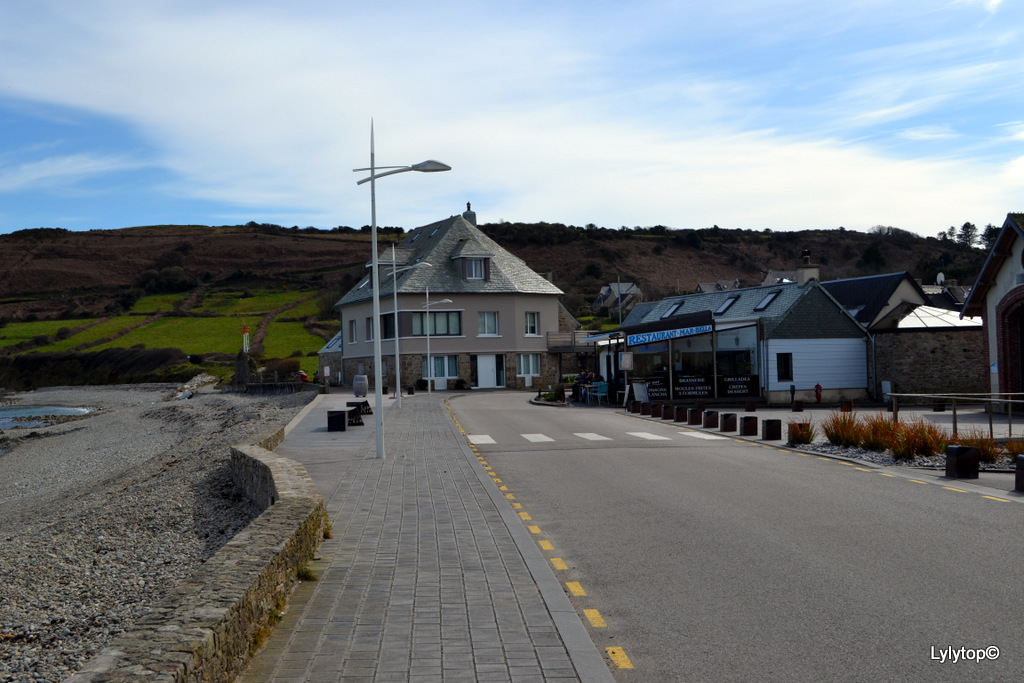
(752,114)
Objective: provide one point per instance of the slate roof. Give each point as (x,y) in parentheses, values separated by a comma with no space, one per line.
(742,307)
(865,297)
(442,244)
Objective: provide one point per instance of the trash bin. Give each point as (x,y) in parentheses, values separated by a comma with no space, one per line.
(360,385)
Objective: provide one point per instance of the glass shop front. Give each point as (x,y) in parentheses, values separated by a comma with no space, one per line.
(697,363)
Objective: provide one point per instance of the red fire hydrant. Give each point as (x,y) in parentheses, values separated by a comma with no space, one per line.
(817,393)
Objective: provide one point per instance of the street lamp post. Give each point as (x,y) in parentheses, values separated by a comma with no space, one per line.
(429,166)
(394,290)
(430,362)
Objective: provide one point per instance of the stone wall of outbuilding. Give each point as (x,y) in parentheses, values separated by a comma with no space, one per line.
(933,361)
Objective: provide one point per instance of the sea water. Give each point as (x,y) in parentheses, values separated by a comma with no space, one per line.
(8,413)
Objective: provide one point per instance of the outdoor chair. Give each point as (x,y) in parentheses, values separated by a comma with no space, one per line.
(599,393)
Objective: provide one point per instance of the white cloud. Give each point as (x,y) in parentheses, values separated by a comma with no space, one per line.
(266,106)
(58,170)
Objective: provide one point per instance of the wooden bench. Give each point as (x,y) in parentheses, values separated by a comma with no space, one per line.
(340,419)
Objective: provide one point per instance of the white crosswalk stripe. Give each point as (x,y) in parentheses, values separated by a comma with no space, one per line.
(479,439)
(591,436)
(649,436)
(702,435)
(536,438)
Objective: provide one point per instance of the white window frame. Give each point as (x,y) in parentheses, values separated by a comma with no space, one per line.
(527,364)
(482,320)
(449,362)
(475,269)
(369,329)
(533,316)
(353,328)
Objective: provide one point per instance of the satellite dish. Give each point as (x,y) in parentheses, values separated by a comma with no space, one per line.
(940,279)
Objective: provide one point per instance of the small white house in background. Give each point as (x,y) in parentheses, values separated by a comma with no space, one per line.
(488,319)
(330,362)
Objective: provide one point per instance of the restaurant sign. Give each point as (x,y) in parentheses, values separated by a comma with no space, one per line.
(662,335)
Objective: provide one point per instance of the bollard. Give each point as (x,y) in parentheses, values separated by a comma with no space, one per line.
(1018,483)
(962,462)
(645,408)
(656,409)
(694,416)
(771,429)
(750,407)
(711,419)
(668,413)
(635,406)
(846,406)
(798,406)
(748,425)
(681,414)
(728,422)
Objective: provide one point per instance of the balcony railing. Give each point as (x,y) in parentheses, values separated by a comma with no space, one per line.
(570,342)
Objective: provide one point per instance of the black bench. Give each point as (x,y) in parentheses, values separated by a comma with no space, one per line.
(363,406)
(339,419)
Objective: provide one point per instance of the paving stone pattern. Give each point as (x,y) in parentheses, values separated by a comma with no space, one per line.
(422,580)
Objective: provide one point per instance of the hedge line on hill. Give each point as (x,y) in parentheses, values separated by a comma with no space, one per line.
(109,366)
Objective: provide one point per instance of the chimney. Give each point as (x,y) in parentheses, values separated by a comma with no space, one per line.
(807,270)
(470,214)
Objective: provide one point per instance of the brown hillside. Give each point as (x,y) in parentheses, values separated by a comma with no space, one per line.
(50,272)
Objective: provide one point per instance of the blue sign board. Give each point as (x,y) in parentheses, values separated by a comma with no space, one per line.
(661,335)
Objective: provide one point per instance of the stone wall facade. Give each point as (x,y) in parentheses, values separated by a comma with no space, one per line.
(208,628)
(933,361)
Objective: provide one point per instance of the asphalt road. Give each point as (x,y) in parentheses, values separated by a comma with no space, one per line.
(723,560)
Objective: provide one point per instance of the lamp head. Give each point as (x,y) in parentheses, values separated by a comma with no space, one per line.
(430,166)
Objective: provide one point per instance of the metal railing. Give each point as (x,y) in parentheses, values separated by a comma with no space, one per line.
(988,401)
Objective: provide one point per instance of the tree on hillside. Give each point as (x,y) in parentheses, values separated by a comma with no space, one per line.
(967,235)
(989,235)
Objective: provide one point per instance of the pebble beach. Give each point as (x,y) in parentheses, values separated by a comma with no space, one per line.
(102,515)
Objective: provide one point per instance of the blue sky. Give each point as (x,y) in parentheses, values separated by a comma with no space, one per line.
(780,114)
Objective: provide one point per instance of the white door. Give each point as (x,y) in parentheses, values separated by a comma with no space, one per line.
(486,372)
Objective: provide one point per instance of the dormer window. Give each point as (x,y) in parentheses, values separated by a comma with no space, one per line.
(475,269)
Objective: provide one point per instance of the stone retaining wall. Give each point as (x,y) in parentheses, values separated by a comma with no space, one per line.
(208,628)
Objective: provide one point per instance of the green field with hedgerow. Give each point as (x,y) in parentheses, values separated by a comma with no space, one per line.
(213,327)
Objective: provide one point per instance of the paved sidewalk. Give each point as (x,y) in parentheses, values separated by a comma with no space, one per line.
(429,576)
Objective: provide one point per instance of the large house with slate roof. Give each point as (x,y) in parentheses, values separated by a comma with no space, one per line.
(488,320)
(760,342)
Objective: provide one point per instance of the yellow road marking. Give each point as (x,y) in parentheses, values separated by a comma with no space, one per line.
(575,588)
(821,458)
(492,473)
(510,496)
(534,529)
(503,488)
(886,474)
(950,488)
(848,464)
(525,516)
(618,657)
(595,618)
(559,564)
(1001,500)
(517,506)
(917,481)
(498,481)
(862,469)
(546,545)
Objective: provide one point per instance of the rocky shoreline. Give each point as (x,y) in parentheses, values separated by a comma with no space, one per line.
(101,517)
